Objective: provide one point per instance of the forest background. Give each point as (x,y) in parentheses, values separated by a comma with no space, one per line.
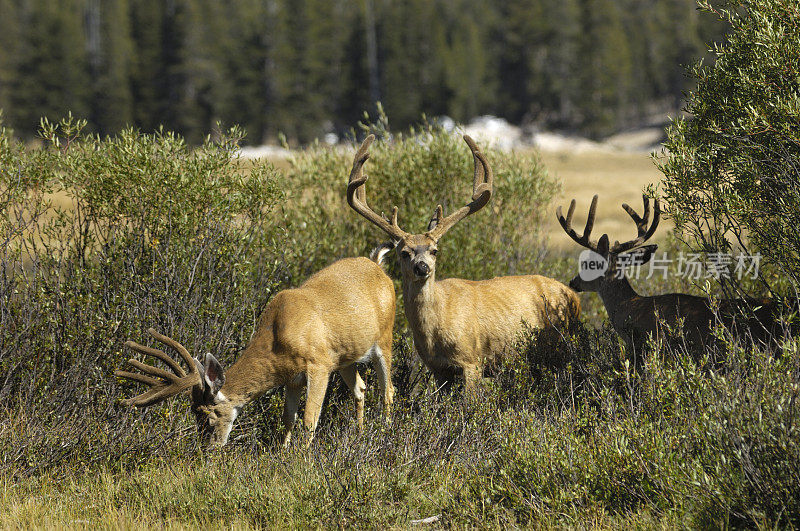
(305,68)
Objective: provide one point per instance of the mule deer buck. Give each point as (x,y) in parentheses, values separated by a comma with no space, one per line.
(341,315)
(635,317)
(462,325)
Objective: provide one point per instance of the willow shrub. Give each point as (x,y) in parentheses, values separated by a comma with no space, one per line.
(102,239)
(732,168)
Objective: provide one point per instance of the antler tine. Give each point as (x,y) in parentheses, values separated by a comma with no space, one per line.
(154,371)
(587,230)
(571,211)
(148,398)
(136,377)
(643,232)
(479,170)
(177,346)
(157,354)
(163,384)
(566,224)
(357,194)
(482,187)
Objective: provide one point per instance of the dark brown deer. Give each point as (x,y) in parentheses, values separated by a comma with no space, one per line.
(635,317)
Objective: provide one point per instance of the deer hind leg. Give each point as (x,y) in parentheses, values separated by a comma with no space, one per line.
(317,385)
(382,363)
(291,403)
(357,387)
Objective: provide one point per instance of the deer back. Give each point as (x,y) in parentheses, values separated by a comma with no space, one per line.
(331,320)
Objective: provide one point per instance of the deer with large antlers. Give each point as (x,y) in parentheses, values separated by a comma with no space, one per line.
(636,317)
(460,326)
(341,315)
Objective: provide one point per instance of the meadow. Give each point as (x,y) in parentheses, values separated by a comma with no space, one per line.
(194,242)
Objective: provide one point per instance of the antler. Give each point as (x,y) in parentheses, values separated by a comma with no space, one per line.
(357,194)
(566,224)
(644,233)
(482,182)
(163,384)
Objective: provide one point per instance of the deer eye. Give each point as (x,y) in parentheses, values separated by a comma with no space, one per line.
(405,254)
(434,251)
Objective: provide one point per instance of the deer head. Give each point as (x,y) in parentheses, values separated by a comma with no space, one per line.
(417,252)
(618,255)
(213,412)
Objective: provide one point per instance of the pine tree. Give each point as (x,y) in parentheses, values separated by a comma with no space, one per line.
(110,62)
(10,37)
(604,68)
(470,81)
(411,38)
(539,52)
(149,84)
(52,69)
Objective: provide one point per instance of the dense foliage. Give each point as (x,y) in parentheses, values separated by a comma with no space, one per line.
(307,67)
(731,167)
(104,238)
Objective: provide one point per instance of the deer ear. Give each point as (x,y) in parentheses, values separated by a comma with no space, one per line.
(642,255)
(437,217)
(214,374)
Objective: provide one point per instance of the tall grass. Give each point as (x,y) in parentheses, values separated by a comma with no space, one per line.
(193,242)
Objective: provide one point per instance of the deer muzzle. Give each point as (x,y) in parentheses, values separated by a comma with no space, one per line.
(575,284)
(421,269)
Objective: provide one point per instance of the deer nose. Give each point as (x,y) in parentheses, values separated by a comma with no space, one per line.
(421,269)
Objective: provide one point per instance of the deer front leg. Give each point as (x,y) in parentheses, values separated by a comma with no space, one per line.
(357,387)
(472,375)
(290,405)
(317,384)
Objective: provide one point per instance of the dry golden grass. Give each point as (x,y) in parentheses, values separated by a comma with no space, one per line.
(617,177)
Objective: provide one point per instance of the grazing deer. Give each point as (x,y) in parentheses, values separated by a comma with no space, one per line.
(462,325)
(633,316)
(341,315)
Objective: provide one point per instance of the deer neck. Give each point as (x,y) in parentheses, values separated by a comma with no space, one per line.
(615,293)
(421,305)
(252,375)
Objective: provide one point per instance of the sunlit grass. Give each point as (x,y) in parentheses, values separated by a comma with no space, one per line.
(617,177)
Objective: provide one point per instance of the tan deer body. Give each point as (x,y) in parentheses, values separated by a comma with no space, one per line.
(468,324)
(341,315)
(462,325)
(636,318)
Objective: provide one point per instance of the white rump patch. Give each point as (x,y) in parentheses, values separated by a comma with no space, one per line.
(369,354)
